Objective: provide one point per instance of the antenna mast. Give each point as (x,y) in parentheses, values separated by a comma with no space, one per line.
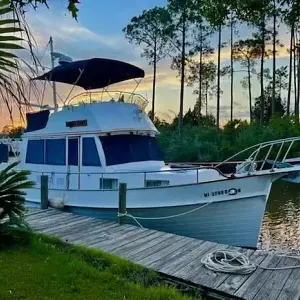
(54,84)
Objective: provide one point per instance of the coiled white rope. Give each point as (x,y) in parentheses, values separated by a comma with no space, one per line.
(228,261)
(232,261)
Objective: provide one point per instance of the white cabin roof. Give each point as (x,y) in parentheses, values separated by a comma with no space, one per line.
(101,117)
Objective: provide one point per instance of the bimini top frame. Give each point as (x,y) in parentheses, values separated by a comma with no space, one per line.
(93,73)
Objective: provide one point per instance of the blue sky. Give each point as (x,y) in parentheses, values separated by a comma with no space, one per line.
(98,33)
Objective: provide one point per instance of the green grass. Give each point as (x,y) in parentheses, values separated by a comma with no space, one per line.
(45,268)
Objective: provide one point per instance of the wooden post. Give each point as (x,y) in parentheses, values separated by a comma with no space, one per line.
(122,203)
(44,191)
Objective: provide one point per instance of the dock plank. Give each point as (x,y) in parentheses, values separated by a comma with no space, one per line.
(187,258)
(233,282)
(148,248)
(53,222)
(43,214)
(125,240)
(167,240)
(119,236)
(125,249)
(81,229)
(174,256)
(32,211)
(258,278)
(63,229)
(106,234)
(218,277)
(85,237)
(189,271)
(273,286)
(291,289)
(51,225)
(165,252)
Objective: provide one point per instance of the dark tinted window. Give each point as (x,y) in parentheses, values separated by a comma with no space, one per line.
(90,155)
(35,152)
(120,149)
(55,152)
(73,152)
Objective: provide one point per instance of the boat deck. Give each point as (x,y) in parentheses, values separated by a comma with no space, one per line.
(175,257)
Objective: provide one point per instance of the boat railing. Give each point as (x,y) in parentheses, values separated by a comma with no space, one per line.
(13,145)
(261,153)
(106,96)
(144,176)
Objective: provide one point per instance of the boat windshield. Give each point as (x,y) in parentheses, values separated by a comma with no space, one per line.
(122,149)
(119,96)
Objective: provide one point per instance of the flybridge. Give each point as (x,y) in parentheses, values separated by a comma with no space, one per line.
(91,118)
(92,74)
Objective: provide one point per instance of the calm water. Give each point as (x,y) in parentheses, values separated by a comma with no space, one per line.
(281,223)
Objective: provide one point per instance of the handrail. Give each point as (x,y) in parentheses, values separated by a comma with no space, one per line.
(12,143)
(131,97)
(144,173)
(182,170)
(261,146)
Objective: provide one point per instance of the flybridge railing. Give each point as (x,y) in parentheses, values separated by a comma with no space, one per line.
(106,96)
(258,158)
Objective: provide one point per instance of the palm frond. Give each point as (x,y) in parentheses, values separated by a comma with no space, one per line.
(12,194)
(10,46)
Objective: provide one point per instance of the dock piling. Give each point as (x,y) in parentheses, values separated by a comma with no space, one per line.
(122,203)
(44,192)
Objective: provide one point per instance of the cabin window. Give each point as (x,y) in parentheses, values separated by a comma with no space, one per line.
(4,153)
(90,155)
(35,152)
(55,152)
(156,183)
(73,151)
(108,184)
(121,149)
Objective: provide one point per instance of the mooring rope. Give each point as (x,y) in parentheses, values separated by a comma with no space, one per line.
(232,261)
(136,218)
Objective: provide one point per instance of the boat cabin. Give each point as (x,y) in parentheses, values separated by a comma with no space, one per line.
(97,140)
(108,135)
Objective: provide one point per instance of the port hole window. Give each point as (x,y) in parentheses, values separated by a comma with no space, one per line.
(156,183)
(108,184)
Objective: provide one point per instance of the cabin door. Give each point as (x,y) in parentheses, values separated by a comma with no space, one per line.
(73,163)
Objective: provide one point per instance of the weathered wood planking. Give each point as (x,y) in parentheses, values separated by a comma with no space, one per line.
(174,256)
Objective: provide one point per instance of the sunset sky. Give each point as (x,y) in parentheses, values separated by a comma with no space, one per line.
(98,33)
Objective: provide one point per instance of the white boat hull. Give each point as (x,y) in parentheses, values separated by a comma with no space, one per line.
(233,216)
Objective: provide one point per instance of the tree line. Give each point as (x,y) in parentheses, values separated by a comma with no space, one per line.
(183,31)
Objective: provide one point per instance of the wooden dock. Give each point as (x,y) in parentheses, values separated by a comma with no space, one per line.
(173,256)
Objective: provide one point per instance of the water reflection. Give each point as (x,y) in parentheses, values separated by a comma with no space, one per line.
(281,223)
